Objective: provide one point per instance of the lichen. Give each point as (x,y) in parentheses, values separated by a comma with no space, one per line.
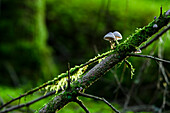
(132,69)
(63,83)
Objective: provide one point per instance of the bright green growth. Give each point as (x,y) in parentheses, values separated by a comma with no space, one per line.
(57,84)
(76,72)
(130,66)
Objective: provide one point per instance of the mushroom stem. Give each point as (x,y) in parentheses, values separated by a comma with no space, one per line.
(117,42)
(112,44)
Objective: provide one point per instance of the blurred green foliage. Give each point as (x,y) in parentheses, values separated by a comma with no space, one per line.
(38,38)
(24,52)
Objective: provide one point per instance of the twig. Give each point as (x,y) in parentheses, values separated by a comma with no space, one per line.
(142,108)
(69,76)
(136,82)
(161,67)
(10,96)
(160,11)
(98,98)
(164,100)
(27,104)
(118,83)
(82,105)
(155,38)
(27,93)
(128,96)
(148,56)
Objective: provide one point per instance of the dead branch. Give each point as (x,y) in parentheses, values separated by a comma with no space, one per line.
(98,98)
(82,105)
(155,38)
(27,104)
(120,53)
(148,56)
(142,108)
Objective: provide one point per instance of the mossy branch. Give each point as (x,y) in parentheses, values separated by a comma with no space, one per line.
(120,53)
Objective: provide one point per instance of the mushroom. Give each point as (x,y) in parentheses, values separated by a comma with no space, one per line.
(167,13)
(111,38)
(155,26)
(138,51)
(118,36)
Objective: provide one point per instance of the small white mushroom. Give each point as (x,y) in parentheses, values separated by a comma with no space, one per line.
(113,37)
(167,13)
(155,26)
(110,37)
(117,35)
(138,51)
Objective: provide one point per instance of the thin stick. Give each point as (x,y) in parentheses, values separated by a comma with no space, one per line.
(160,11)
(25,94)
(27,104)
(98,98)
(142,108)
(118,82)
(148,56)
(69,80)
(155,38)
(164,100)
(128,96)
(82,105)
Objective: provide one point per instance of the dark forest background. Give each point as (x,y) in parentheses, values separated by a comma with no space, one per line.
(39,37)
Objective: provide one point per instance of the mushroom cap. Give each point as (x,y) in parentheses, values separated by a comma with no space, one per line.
(155,26)
(138,51)
(167,13)
(117,35)
(109,36)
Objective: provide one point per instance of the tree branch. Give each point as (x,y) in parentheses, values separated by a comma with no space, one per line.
(27,104)
(155,38)
(82,105)
(27,93)
(87,63)
(101,99)
(164,100)
(148,56)
(142,108)
(120,53)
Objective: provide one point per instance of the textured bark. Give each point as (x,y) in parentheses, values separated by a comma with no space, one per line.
(100,69)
